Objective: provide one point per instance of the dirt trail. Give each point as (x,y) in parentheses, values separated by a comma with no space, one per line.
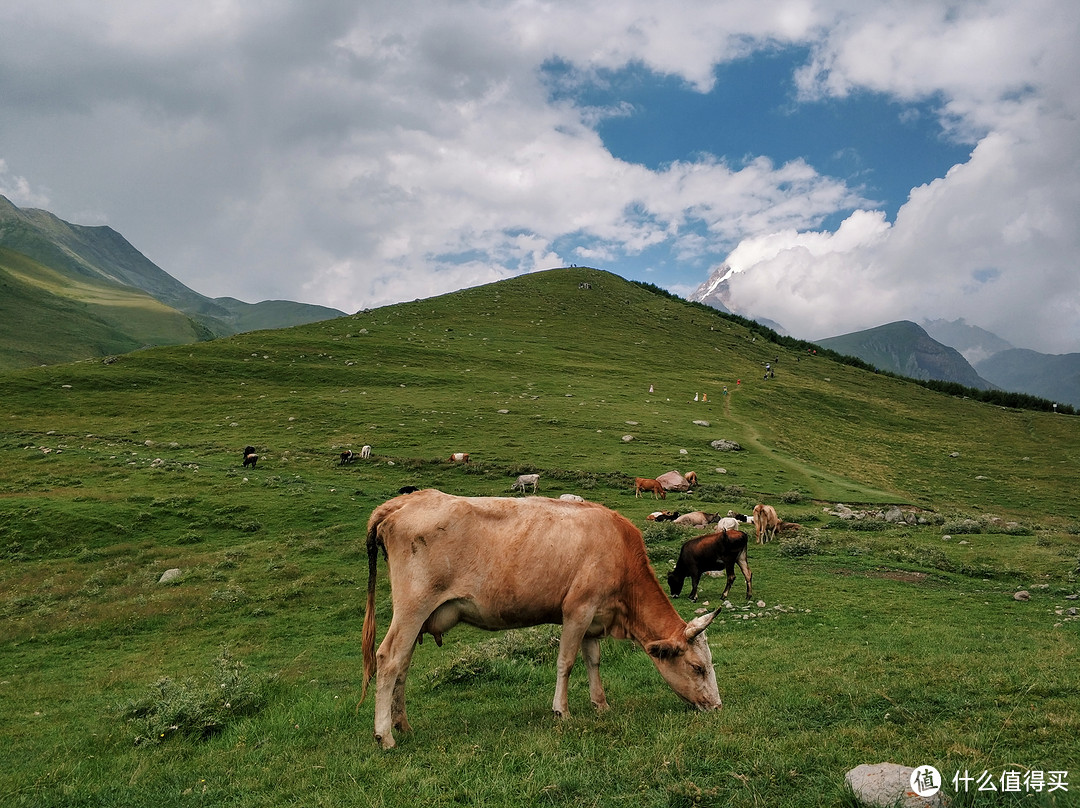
(814,481)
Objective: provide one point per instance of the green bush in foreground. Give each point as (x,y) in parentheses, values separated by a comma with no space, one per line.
(198,708)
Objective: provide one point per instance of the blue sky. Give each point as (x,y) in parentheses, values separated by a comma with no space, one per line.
(847,162)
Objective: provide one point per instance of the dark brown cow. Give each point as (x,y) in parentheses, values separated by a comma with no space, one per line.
(500,563)
(250,458)
(645,484)
(713,551)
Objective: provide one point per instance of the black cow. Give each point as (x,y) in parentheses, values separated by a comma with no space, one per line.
(250,458)
(713,551)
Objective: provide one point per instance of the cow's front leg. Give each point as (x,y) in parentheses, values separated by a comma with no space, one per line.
(571,640)
(590,651)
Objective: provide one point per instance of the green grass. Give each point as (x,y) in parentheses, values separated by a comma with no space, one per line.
(877,641)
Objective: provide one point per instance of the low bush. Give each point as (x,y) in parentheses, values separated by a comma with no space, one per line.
(200,707)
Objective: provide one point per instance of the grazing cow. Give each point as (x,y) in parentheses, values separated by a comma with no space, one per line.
(499,563)
(662,516)
(524,480)
(691,477)
(713,551)
(765,522)
(644,484)
(365,452)
(697,519)
(347,457)
(459,457)
(250,458)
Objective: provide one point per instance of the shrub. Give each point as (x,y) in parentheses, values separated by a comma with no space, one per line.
(798,545)
(200,707)
(657,532)
(791,497)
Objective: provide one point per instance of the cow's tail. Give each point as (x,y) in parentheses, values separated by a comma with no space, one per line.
(367,643)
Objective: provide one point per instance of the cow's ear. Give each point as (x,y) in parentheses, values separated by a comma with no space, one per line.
(665,649)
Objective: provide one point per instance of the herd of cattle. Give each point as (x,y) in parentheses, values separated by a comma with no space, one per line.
(501,563)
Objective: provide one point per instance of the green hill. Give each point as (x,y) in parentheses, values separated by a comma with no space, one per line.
(98,295)
(239,683)
(906,349)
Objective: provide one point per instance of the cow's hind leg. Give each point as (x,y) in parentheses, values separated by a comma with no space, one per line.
(392,666)
(730,579)
(746,574)
(590,651)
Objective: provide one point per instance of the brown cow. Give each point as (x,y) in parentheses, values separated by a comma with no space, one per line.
(765,522)
(500,563)
(459,457)
(713,551)
(644,484)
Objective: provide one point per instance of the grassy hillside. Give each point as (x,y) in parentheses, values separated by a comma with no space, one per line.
(96,295)
(906,349)
(239,684)
(46,318)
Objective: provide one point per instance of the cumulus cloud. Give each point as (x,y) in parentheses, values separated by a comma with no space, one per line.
(359,154)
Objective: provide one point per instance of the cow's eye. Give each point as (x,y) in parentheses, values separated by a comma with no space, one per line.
(699,670)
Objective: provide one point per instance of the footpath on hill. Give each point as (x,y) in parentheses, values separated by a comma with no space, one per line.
(814,481)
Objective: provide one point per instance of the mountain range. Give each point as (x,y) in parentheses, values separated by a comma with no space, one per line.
(940,350)
(70,292)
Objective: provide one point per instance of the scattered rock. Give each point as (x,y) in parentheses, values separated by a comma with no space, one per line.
(888,785)
(1023,594)
(724,445)
(702,423)
(169,576)
(627,438)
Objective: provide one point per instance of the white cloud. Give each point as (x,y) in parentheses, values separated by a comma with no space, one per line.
(357,154)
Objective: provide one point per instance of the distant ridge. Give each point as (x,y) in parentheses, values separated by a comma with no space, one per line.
(906,349)
(72,292)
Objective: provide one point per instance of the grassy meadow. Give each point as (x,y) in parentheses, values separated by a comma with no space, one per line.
(238,684)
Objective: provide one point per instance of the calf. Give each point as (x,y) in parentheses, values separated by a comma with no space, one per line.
(524,480)
(644,484)
(713,551)
(365,452)
(250,458)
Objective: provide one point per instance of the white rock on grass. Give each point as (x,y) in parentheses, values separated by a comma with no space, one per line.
(887,785)
(169,576)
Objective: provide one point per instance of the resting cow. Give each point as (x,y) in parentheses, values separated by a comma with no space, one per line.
(714,551)
(459,457)
(499,563)
(697,519)
(662,516)
(765,522)
(645,484)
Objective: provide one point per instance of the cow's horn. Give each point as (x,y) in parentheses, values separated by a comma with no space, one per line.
(699,624)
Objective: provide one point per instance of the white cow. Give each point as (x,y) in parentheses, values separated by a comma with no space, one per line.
(524,480)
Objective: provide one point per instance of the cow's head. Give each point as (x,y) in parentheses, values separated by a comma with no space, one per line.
(685,662)
(675,582)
